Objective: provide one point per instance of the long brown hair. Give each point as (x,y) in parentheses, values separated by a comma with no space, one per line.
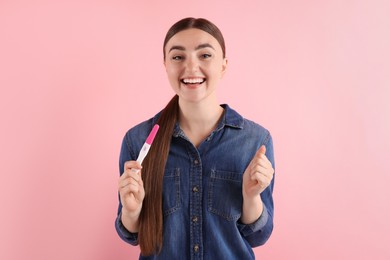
(150,234)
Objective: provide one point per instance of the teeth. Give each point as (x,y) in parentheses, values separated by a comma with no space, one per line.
(193,81)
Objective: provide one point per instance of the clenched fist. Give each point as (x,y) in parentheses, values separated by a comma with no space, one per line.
(131,189)
(258,175)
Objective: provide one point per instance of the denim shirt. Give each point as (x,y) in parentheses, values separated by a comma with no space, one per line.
(202,191)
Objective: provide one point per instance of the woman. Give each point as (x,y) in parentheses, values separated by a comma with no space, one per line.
(205,189)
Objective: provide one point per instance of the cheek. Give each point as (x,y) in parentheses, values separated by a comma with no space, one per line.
(215,72)
(171,72)
(172,68)
(173,76)
(213,68)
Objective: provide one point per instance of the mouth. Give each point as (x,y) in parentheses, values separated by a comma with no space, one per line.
(192,81)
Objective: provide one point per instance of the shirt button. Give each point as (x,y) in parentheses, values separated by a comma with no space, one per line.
(196,161)
(196,248)
(195,219)
(195,189)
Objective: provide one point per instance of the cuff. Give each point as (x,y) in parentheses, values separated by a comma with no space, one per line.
(248,229)
(124,234)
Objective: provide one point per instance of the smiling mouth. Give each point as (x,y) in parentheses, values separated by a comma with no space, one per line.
(193,81)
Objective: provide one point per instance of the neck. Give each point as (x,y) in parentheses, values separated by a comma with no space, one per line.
(198,120)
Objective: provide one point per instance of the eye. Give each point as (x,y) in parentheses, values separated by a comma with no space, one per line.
(205,56)
(177,57)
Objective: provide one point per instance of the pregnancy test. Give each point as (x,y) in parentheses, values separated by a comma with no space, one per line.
(145,148)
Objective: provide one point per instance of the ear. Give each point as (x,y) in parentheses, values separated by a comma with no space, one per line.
(224,66)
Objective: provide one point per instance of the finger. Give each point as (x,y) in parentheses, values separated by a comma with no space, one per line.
(129,195)
(131,187)
(262,180)
(128,174)
(262,172)
(129,177)
(260,153)
(262,149)
(132,165)
(258,169)
(134,173)
(262,160)
(266,171)
(128,181)
(265,162)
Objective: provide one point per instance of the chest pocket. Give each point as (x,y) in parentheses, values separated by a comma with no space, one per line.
(171,191)
(225,194)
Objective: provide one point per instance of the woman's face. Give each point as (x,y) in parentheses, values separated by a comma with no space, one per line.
(194,63)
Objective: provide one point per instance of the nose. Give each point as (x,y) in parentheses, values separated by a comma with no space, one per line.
(191,64)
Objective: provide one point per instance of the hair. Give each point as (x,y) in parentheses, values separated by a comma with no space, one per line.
(150,234)
(193,23)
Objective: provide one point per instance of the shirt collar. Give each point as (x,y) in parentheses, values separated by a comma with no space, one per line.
(230,118)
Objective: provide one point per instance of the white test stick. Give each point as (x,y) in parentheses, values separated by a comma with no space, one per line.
(145,148)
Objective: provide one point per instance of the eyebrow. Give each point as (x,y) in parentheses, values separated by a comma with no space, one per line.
(200,46)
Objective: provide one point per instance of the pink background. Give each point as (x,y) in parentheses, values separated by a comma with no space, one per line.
(75,75)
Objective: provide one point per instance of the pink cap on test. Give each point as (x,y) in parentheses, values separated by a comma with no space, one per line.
(152,134)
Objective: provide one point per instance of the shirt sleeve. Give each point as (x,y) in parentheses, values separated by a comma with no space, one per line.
(258,232)
(124,234)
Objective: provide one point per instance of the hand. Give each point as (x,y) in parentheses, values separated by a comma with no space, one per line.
(258,175)
(131,189)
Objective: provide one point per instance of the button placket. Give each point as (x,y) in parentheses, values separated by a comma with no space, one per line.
(196,203)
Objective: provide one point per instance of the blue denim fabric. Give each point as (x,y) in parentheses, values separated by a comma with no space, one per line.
(202,191)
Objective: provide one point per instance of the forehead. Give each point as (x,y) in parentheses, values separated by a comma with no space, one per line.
(191,38)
